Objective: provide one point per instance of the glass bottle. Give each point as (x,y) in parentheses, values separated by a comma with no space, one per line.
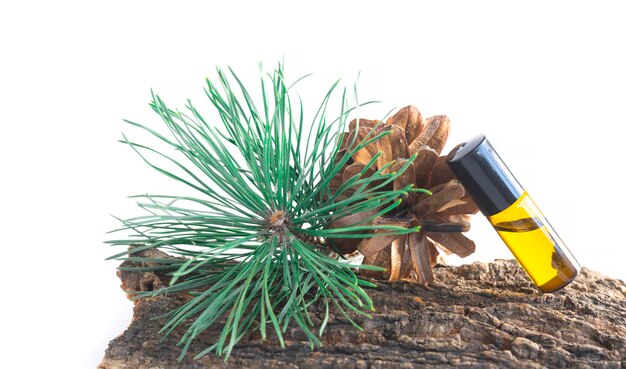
(514,215)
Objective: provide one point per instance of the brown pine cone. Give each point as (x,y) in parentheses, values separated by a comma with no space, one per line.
(443,215)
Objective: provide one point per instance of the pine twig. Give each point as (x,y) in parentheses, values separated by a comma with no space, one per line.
(263,191)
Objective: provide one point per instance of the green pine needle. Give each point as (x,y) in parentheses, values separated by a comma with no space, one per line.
(254,237)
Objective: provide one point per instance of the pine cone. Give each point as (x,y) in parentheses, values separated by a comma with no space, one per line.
(443,216)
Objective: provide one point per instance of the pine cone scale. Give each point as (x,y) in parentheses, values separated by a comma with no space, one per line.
(379,241)
(365,154)
(438,201)
(455,242)
(397,255)
(405,179)
(435,133)
(424,161)
(420,257)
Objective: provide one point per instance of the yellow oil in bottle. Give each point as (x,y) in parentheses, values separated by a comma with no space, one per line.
(535,244)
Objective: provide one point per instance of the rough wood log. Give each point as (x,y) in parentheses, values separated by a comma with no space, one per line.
(481,315)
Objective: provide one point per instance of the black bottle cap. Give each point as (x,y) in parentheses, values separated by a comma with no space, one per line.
(485,176)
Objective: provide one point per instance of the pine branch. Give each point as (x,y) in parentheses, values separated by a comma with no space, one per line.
(263,195)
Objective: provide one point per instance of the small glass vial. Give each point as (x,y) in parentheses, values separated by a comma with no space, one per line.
(514,215)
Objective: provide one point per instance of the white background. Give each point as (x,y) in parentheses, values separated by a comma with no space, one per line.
(545,82)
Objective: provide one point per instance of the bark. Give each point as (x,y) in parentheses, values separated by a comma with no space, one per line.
(482,315)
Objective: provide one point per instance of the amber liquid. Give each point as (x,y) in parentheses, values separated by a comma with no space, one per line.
(535,245)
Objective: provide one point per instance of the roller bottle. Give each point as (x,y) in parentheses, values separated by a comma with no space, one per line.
(514,215)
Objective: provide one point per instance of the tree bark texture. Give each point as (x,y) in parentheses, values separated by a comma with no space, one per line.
(481,315)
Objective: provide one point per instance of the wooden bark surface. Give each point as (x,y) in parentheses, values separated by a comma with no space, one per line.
(482,315)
